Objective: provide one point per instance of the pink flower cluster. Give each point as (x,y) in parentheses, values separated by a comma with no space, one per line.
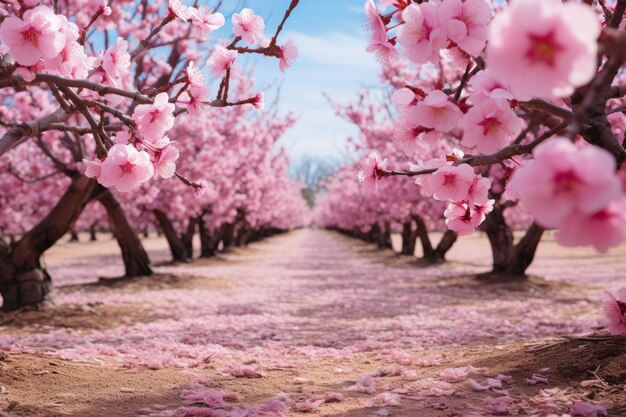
(136,158)
(466,193)
(370,172)
(544,48)
(431,26)
(43,41)
(575,190)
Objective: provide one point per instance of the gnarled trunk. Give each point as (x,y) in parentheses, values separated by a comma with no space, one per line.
(187,237)
(434,254)
(23,280)
(409,239)
(510,260)
(136,261)
(176,244)
(92,233)
(208,242)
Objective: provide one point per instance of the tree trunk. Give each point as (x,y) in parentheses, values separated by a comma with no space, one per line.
(228,235)
(23,281)
(422,233)
(187,237)
(136,261)
(409,239)
(73,235)
(523,253)
(208,242)
(92,233)
(510,261)
(500,238)
(177,246)
(445,244)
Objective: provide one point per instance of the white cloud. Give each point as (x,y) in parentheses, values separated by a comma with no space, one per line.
(335,63)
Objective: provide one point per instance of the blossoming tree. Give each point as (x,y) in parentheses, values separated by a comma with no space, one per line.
(531,94)
(110,81)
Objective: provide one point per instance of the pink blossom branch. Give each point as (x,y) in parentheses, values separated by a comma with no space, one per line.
(83,34)
(187,181)
(13,136)
(503,154)
(18,82)
(292,6)
(145,43)
(547,107)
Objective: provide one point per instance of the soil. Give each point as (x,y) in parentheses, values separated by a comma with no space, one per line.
(321,308)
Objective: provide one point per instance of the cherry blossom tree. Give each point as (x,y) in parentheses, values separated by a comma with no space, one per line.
(110,81)
(531,95)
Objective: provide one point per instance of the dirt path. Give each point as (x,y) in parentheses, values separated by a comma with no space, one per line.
(308,314)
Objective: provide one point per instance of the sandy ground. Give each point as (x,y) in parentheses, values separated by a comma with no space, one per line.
(307,314)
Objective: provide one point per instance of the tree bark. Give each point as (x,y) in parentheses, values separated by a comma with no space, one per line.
(500,238)
(510,261)
(422,233)
(23,281)
(177,246)
(73,235)
(92,233)
(136,261)
(187,237)
(445,244)
(409,239)
(208,242)
(523,253)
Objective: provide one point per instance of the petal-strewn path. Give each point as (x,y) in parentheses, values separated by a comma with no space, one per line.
(311,322)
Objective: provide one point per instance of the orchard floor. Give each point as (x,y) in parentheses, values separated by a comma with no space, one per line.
(282,324)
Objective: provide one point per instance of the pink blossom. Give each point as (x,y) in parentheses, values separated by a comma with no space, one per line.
(451,183)
(564,177)
(178,9)
(478,191)
(92,169)
(379,42)
(615,312)
(436,111)
(498,405)
(247,25)
(489,127)
(288,54)
(466,23)
(486,87)
(193,99)
(205,21)
(116,59)
(36,36)
(454,374)
(125,168)
(259,101)
(365,384)
(309,405)
(221,60)
(584,409)
(369,174)
(459,219)
(195,76)
(602,229)
(403,98)
(153,120)
(464,218)
(165,160)
(422,34)
(543,48)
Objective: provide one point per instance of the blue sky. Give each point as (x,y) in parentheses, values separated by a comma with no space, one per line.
(331,42)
